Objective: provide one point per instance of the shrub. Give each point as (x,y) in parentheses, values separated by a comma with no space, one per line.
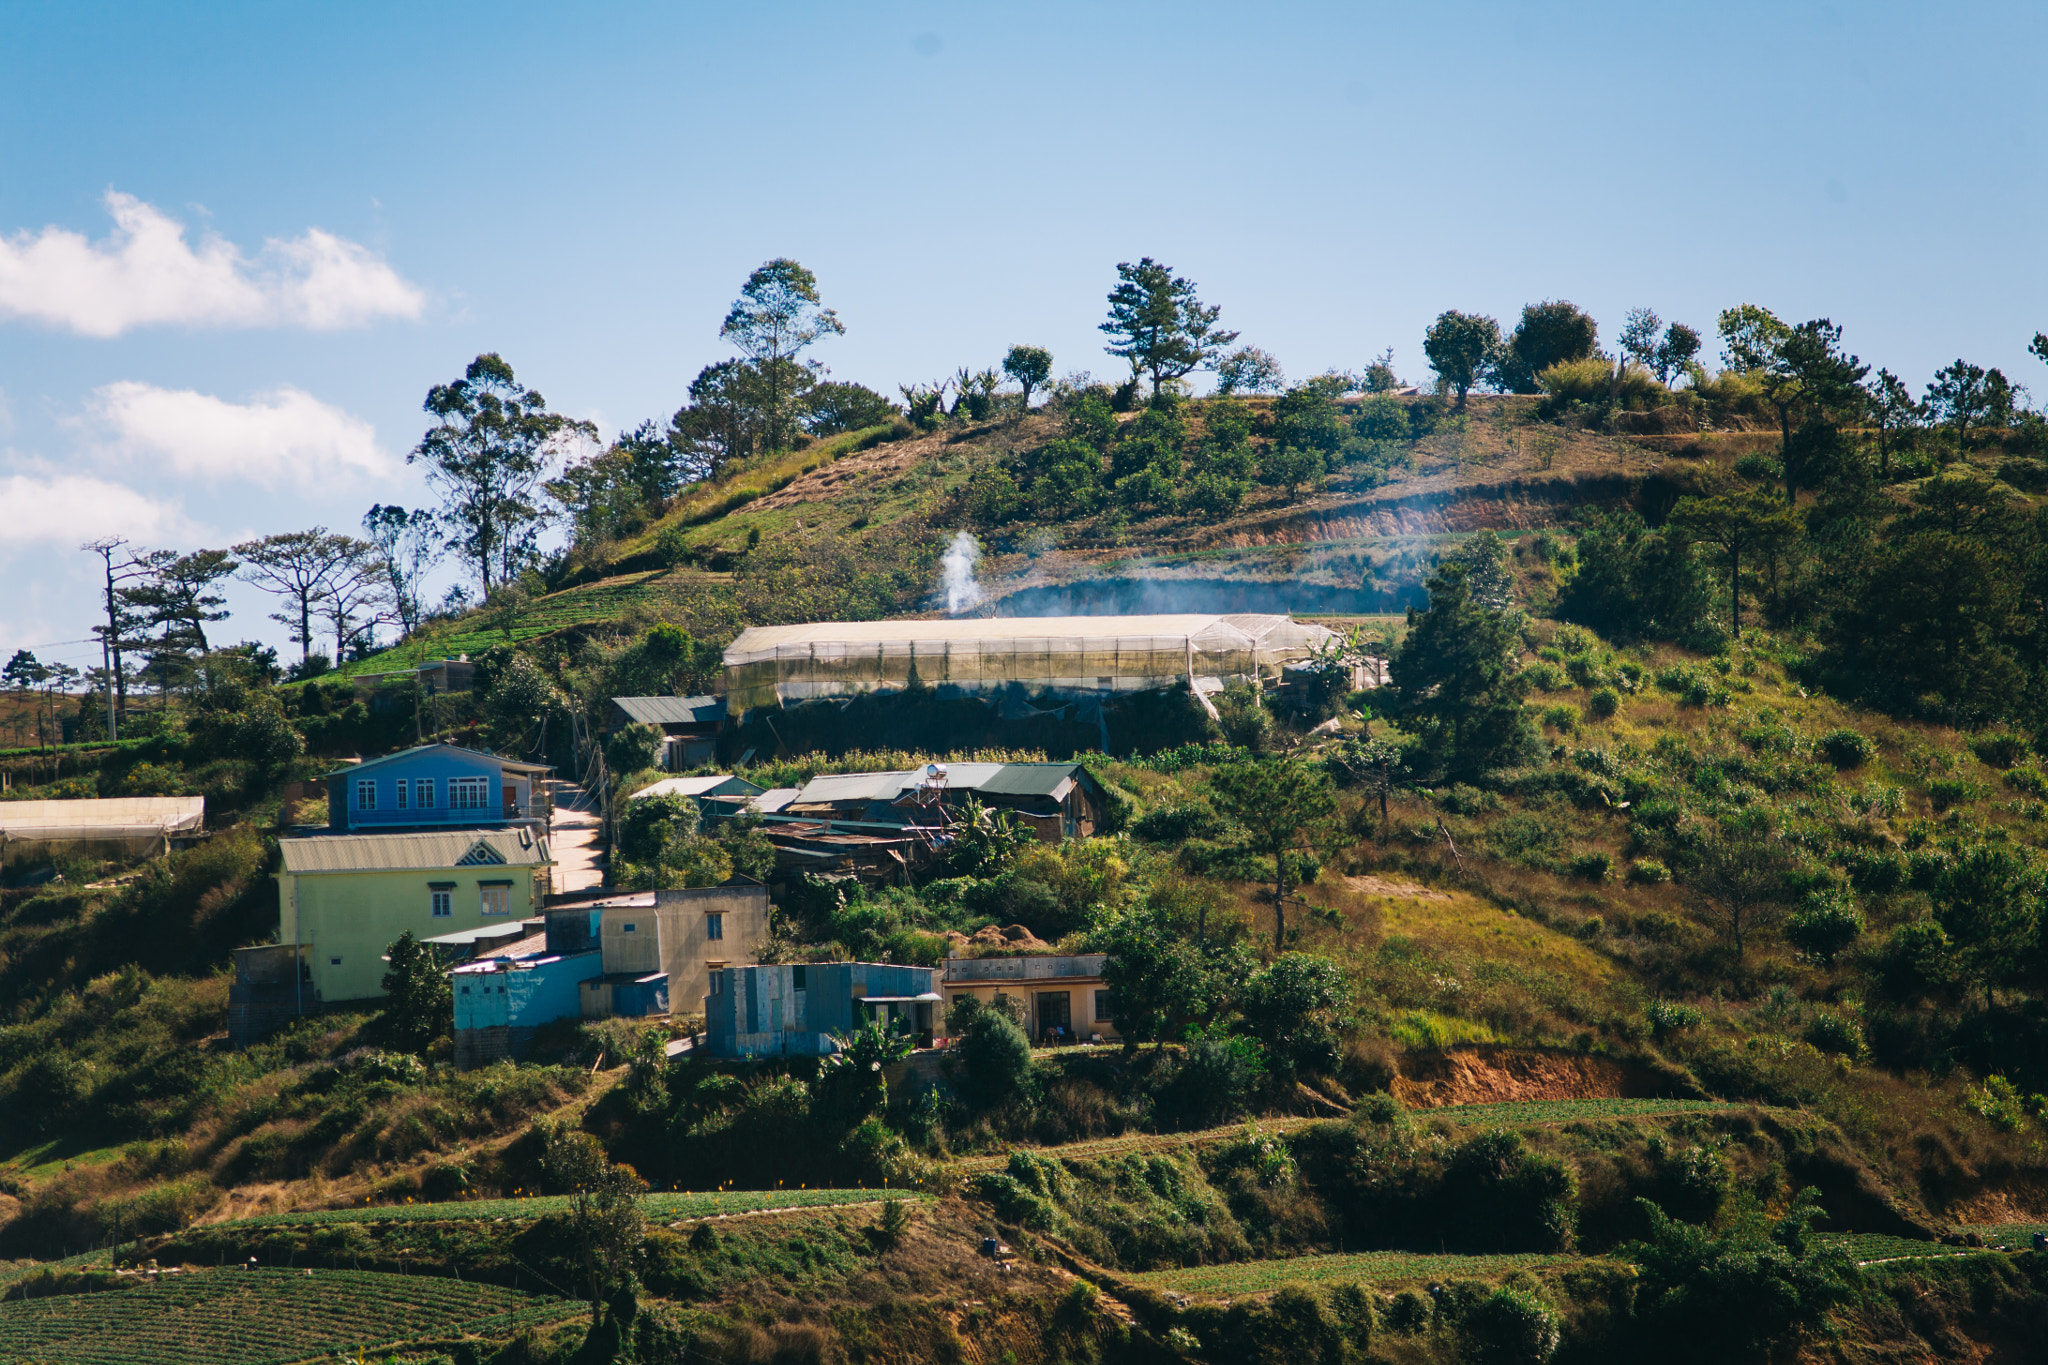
(1846,748)
(1667,1017)
(1513,1327)
(1999,748)
(1593,867)
(1547,677)
(1824,926)
(1604,702)
(1944,792)
(1563,718)
(1179,822)
(1836,1033)
(1648,871)
(2028,780)
(1213,1083)
(998,1057)
(1758,467)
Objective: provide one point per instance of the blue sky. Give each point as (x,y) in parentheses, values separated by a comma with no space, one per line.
(324,210)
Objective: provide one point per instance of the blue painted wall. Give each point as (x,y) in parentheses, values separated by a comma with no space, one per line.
(788,1009)
(440,766)
(524,999)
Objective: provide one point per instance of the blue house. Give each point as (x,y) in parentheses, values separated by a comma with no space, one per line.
(435,786)
(793,1009)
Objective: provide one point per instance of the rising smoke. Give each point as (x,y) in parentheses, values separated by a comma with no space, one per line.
(963,592)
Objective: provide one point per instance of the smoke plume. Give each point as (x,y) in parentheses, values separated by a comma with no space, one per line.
(963,593)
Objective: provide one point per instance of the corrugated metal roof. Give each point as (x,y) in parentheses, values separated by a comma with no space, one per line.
(170,814)
(1031,779)
(672,710)
(722,784)
(439,851)
(513,764)
(832,788)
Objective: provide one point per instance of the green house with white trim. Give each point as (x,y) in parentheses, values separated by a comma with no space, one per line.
(345,898)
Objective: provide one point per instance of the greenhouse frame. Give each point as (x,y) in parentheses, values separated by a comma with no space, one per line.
(1043,656)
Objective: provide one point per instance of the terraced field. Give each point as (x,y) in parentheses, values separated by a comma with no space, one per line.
(1510,1115)
(1362,1267)
(659,1207)
(261,1317)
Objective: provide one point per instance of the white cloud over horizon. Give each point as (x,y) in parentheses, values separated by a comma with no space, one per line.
(283,435)
(145,273)
(46,507)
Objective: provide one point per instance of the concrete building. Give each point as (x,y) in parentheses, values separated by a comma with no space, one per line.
(344,898)
(686,936)
(436,786)
(1067,993)
(503,1000)
(793,1009)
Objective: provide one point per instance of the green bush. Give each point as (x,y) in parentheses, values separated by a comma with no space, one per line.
(1999,748)
(1563,718)
(1648,871)
(1546,677)
(1824,926)
(1944,792)
(1836,1033)
(998,1057)
(1604,702)
(1846,748)
(2029,780)
(1593,867)
(1211,1084)
(1758,467)
(1667,1017)
(1512,1327)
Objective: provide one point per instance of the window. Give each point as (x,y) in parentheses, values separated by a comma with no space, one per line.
(718,983)
(1104,1006)
(497,900)
(444,904)
(469,793)
(797,977)
(628,928)
(366,793)
(714,926)
(424,790)
(402,792)
(334,962)
(465,990)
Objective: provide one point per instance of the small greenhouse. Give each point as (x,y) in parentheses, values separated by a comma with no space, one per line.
(1043,656)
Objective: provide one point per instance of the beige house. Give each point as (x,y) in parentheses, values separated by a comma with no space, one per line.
(1066,994)
(687,934)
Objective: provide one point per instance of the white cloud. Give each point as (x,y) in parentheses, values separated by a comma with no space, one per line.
(65,510)
(284,435)
(146,273)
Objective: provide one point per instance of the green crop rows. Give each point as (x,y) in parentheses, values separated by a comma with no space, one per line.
(657,1206)
(2019,1236)
(253,1317)
(1259,1277)
(1567,1111)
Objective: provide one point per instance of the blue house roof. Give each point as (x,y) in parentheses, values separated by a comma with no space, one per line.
(419,750)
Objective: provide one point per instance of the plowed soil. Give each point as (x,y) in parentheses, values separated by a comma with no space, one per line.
(1494,1075)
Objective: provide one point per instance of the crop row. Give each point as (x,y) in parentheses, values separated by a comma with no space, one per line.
(1506,1114)
(256,1317)
(664,1206)
(1259,1277)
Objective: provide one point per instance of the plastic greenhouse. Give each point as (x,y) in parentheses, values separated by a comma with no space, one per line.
(1058,656)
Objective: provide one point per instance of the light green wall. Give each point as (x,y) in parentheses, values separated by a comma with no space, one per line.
(355,916)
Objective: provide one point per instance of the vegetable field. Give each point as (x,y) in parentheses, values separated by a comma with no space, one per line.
(1364,1267)
(1571,1111)
(255,1317)
(662,1207)
(1878,1246)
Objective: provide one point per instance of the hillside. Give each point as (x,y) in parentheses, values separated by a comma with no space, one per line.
(1622,956)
